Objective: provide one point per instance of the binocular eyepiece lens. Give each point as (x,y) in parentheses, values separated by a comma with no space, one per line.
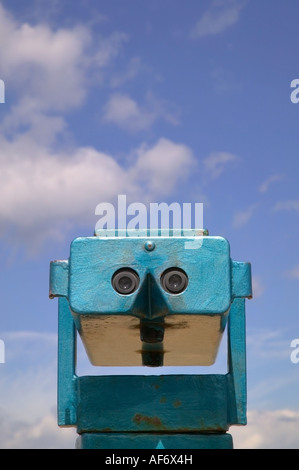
(174,280)
(125,281)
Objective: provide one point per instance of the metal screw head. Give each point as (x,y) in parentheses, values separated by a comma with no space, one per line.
(149,245)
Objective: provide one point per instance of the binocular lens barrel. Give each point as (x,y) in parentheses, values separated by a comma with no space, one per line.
(174,280)
(125,281)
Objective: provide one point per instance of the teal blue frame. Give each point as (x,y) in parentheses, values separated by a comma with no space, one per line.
(137,411)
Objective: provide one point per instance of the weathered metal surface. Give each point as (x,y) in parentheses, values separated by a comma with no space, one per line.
(153,327)
(67,378)
(94,260)
(174,403)
(237,391)
(59,279)
(192,321)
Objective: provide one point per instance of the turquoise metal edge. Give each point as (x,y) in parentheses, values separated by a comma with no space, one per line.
(59,278)
(237,386)
(166,403)
(147,232)
(67,378)
(155,441)
(241,279)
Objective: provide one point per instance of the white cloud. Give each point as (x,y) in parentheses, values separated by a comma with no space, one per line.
(159,169)
(107,49)
(215,163)
(28,383)
(51,68)
(269,344)
(43,192)
(221,15)
(40,189)
(122,110)
(28,375)
(257,287)
(133,69)
(268,429)
(43,189)
(290,205)
(126,113)
(26,117)
(272,179)
(48,64)
(241,218)
(42,433)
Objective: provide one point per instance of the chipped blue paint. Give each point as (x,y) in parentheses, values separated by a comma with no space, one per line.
(160,445)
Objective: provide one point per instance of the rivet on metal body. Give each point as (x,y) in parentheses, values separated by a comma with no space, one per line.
(149,245)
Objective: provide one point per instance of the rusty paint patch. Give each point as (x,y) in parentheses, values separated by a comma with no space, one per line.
(177,403)
(150,421)
(163,400)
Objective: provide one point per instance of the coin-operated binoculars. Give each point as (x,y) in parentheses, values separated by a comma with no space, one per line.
(156,301)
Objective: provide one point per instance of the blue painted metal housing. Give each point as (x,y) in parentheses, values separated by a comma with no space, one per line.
(111,326)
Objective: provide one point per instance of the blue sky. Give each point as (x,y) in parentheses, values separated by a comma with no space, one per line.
(161,101)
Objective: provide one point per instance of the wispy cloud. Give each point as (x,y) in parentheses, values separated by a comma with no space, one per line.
(272,179)
(133,68)
(268,429)
(290,205)
(241,218)
(269,344)
(221,15)
(42,433)
(215,163)
(126,113)
(258,287)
